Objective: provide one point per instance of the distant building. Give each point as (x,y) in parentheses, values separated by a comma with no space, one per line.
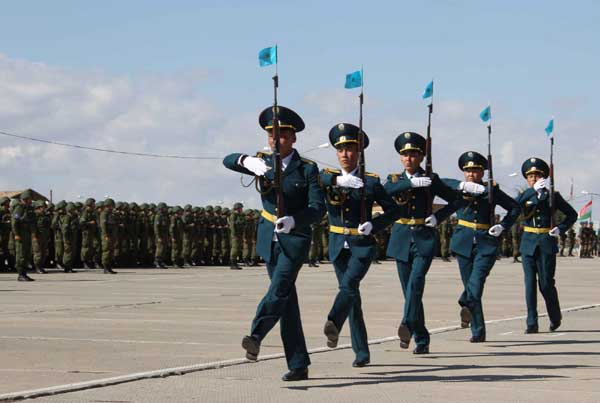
(14,194)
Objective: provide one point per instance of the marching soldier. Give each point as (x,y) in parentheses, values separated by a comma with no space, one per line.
(108,229)
(237,224)
(413,238)
(23,225)
(475,241)
(352,246)
(176,234)
(41,236)
(538,244)
(88,222)
(68,229)
(282,242)
(161,235)
(225,236)
(5,229)
(59,211)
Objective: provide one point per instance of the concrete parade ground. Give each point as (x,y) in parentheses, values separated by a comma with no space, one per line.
(150,335)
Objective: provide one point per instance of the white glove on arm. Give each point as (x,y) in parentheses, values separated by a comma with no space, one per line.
(431,221)
(365,228)
(539,185)
(555,232)
(471,187)
(349,181)
(285,224)
(255,165)
(496,230)
(421,182)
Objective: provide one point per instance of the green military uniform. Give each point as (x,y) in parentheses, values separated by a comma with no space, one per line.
(316,245)
(161,235)
(68,229)
(41,236)
(23,225)
(249,250)
(108,229)
(189,229)
(5,230)
(216,224)
(133,234)
(539,246)
(237,225)
(225,236)
(88,222)
(304,205)
(572,240)
(176,234)
(59,211)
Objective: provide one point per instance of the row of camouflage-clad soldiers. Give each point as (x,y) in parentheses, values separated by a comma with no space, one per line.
(34,234)
(587,240)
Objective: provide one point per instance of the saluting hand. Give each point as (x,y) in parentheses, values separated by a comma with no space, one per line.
(256,165)
(471,187)
(349,181)
(421,182)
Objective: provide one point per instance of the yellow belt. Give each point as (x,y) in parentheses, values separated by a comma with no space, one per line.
(536,230)
(268,216)
(411,221)
(473,225)
(343,230)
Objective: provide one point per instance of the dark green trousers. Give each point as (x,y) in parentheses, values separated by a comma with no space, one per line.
(412,278)
(280,304)
(473,273)
(540,269)
(349,271)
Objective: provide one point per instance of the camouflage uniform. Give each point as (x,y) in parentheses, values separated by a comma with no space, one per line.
(88,222)
(161,235)
(237,225)
(23,225)
(108,229)
(68,229)
(41,236)
(176,234)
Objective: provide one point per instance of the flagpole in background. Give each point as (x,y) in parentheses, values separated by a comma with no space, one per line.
(549,129)
(486,116)
(267,57)
(355,80)
(428,93)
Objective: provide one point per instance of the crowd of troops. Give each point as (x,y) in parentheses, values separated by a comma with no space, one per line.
(35,235)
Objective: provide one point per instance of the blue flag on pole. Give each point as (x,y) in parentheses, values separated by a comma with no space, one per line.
(267,56)
(486,114)
(354,80)
(549,128)
(428,93)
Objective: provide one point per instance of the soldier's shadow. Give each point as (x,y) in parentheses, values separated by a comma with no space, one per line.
(420,374)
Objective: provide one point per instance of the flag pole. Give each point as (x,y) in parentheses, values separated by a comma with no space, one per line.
(490,173)
(361,150)
(428,155)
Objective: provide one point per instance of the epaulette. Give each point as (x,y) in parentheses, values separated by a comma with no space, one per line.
(372,174)
(308,161)
(332,171)
(494,183)
(260,154)
(394,177)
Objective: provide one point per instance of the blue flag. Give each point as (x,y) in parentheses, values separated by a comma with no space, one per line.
(267,56)
(354,80)
(428,93)
(550,128)
(486,114)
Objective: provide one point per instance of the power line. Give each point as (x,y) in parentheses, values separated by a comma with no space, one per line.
(107,150)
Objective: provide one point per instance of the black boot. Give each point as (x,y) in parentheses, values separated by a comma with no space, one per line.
(24,277)
(40,270)
(108,270)
(234,265)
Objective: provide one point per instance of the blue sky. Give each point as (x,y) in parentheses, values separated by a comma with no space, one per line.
(530,59)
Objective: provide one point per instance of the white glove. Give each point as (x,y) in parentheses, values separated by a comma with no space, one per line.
(540,184)
(365,228)
(555,232)
(431,221)
(285,224)
(421,182)
(256,165)
(349,181)
(471,187)
(496,230)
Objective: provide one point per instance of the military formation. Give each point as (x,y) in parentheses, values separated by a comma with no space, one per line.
(310,214)
(36,235)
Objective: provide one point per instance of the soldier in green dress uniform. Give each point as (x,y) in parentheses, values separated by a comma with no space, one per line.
(283,236)
(538,243)
(23,223)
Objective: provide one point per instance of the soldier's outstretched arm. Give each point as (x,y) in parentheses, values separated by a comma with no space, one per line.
(509,204)
(391,210)
(232,161)
(396,184)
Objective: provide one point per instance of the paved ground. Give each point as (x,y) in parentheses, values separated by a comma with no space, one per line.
(66,329)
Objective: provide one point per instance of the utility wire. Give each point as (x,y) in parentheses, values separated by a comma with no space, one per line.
(107,150)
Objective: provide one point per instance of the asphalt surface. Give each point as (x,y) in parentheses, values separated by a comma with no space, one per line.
(116,337)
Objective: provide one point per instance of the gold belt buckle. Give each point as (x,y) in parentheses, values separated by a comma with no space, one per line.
(346,231)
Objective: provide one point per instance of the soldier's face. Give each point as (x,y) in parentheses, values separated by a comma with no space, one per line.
(411,160)
(287,138)
(473,175)
(347,155)
(532,178)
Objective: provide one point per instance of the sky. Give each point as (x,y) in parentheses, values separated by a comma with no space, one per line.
(182,78)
